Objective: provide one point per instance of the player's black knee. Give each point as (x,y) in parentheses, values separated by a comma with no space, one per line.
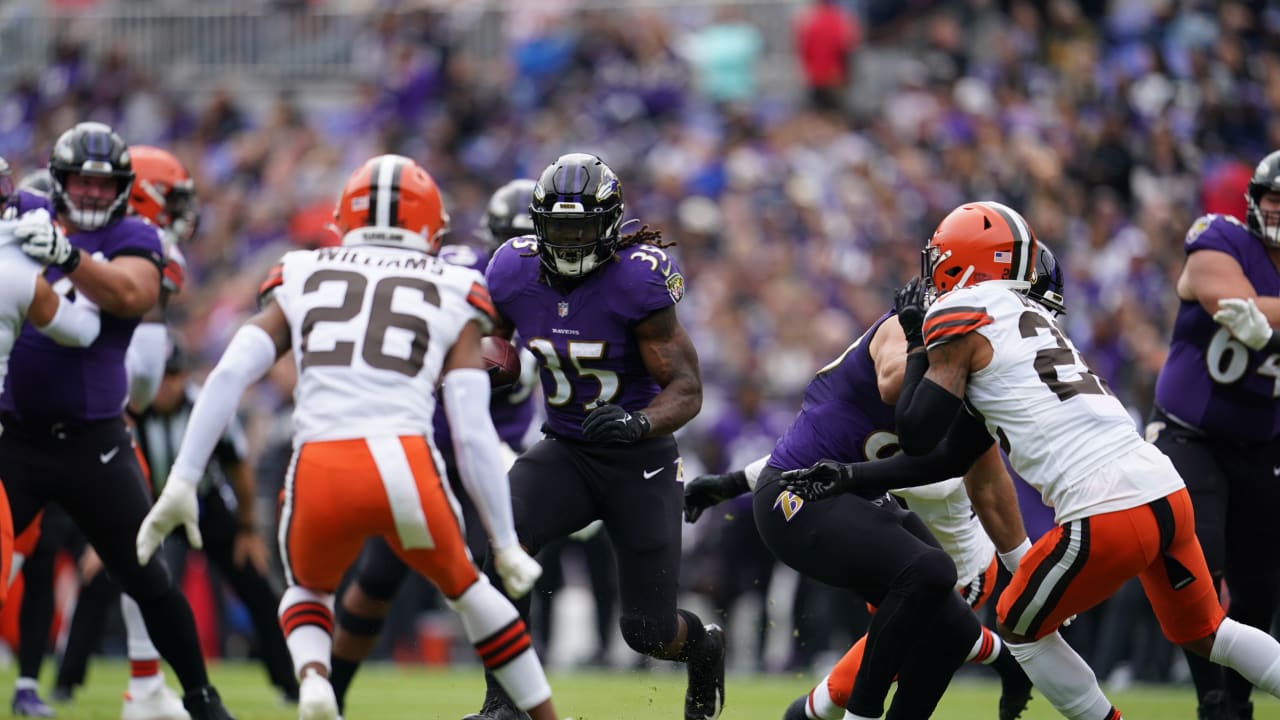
(929,574)
(381,572)
(648,635)
(359,624)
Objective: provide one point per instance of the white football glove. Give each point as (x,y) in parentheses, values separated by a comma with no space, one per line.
(517,569)
(45,242)
(1243,318)
(176,506)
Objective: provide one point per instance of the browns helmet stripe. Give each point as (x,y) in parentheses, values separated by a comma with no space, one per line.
(384,192)
(1023,241)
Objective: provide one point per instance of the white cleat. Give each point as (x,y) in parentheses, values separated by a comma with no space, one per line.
(163,704)
(316,700)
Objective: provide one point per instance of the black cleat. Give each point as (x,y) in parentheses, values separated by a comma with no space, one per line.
(796,710)
(497,708)
(204,704)
(704,700)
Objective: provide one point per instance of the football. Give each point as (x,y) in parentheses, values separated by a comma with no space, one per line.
(501,359)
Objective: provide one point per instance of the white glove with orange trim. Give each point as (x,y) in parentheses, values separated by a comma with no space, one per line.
(517,569)
(177,505)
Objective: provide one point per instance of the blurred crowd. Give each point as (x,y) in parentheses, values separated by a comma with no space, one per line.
(797,205)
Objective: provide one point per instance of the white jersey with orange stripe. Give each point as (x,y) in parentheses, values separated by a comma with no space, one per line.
(946,509)
(1057,420)
(371,328)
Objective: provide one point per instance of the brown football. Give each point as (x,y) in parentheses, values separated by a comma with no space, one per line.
(501,359)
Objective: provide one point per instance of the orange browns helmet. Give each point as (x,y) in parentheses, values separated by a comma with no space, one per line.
(978,242)
(163,191)
(392,201)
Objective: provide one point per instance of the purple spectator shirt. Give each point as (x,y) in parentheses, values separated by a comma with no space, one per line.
(512,409)
(842,417)
(587,353)
(48,382)
(1210,381)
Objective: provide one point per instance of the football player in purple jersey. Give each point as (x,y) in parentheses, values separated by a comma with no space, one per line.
(64,436)
(619,376)
(1217,417)
(379,572)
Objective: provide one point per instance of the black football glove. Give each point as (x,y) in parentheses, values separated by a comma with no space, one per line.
(612,424)
(821,480)
(910,302)
(705,491)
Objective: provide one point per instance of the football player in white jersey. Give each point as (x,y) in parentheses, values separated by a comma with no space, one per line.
(375,325)
(26,296)
(1122,510)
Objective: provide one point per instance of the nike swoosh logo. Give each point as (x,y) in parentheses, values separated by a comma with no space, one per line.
(650,473)
(105,457)
(1276,471)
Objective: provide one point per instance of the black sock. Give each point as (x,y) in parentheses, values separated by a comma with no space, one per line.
(341,671)
(694,634)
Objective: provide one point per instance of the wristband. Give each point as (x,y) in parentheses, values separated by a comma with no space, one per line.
(71,263)
(643,421)
(1011,559)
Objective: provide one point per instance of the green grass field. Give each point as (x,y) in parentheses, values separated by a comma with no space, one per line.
(385,692)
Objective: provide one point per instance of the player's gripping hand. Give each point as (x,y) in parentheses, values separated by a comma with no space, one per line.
(1243,318)
(705,491)
(45,242)
(610,423)
(175,506)
(911,301)
(518,571)
(821,480)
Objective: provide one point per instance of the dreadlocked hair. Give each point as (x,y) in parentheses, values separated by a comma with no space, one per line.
(645,236)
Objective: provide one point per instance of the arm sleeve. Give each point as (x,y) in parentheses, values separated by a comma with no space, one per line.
(249,356)
(925,411)
(965,441)
(74,323)
(144,363)
(466,404)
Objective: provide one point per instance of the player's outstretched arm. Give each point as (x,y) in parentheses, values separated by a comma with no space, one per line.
(672,361)
(1211,275)
(710,490)
(932,391)
(465,390)
(990,489)
(75,323)
(965,442)
(251,353)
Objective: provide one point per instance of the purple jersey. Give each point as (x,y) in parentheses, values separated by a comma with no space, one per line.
(1210,380)
(48,382)
(511,409)
(26,201)
(842,416)
(587,353)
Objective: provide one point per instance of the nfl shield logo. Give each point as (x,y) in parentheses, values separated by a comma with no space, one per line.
(563,308)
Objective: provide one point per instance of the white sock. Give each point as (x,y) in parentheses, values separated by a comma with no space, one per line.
(1250,652)
(1063,677)
(306,617)
(25,683)
(986,648)
(495,628)
(823,708)
(142,653)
